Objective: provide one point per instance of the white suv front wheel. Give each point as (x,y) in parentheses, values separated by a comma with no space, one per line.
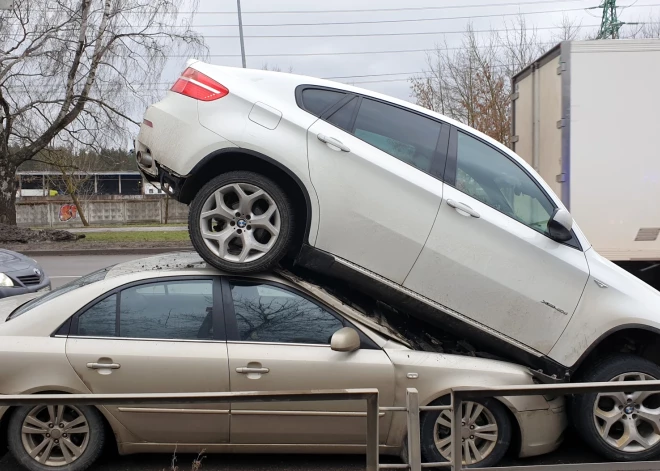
(620,426)
(241,222)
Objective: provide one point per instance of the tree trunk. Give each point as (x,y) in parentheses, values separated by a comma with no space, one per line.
(79,208)
(167,208)
(7,191)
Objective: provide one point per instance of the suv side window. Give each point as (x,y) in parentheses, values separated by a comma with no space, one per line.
(403,134)
(492,178)
(177,310)
(266,313)
(343,117)
(316,101)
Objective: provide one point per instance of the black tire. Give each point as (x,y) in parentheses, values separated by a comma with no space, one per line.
(287,223)
(582,406)
(95,445)
(430,452)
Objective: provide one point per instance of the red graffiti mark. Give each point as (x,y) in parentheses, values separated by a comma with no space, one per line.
(68,212)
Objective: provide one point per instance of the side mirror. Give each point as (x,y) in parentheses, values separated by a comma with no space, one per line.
(560,225)
(345,340)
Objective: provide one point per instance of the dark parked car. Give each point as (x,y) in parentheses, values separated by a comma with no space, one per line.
(20,274)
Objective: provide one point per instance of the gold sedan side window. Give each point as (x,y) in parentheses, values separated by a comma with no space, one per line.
(266,313)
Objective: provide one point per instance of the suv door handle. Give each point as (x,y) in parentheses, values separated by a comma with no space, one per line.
(463,207)
(333,142)
(246,370)
(103,366)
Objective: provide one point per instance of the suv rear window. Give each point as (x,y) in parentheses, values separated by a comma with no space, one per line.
(316,101)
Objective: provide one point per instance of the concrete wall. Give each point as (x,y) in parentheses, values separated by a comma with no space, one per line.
(60,213)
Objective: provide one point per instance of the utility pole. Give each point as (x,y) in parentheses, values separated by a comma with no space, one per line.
(240,32)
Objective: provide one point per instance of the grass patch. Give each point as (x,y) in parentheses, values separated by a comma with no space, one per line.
(151,236)
(64,227)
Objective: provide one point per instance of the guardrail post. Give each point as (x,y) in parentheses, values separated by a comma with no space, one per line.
(372,432)
(456,428)
(414,451)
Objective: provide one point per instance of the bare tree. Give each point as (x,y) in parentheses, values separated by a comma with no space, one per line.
(76,175)
(570,29)
(275,68)
(643,29)
(472,84)
(469,84)
(73,72)
(520,45)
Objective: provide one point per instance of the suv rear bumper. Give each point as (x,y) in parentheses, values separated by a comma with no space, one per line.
(169,182)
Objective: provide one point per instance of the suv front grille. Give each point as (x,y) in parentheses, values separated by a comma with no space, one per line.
(29,280)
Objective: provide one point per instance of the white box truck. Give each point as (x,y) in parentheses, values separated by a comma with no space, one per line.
(586,116)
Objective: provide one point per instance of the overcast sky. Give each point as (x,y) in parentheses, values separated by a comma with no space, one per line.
(442,17)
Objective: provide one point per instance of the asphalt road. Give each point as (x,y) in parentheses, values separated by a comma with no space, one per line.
(63,269)
(572,452)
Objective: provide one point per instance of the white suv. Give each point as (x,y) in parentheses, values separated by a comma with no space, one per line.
(423,212)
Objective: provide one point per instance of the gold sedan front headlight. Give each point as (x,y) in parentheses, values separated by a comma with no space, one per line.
(5,280)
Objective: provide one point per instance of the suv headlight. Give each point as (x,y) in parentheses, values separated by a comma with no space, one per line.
(5,280)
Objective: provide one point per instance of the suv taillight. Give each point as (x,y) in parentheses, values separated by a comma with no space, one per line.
(195,84)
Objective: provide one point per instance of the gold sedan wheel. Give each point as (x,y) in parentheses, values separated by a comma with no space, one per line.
(479,433)
(55,435)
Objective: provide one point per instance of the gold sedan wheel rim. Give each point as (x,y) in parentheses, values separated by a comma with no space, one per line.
(479,433)
(55,435)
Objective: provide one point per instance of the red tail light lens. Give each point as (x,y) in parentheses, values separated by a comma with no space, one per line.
(195,84)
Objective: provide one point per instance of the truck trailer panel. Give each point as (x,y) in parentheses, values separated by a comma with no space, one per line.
(586,115)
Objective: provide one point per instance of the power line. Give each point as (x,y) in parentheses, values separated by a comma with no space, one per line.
(334,23)
(384,34)
(412,20)
(445,18)
(370,10)
(339,53)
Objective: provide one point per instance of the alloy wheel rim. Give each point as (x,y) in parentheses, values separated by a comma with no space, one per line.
(629,421)
(55,435)
(240,222)
(479,433)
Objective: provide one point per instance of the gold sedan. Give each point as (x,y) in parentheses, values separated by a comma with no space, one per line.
(172,324)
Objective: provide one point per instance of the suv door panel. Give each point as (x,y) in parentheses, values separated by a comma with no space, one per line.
(499,272)
(494,267)
(375,209)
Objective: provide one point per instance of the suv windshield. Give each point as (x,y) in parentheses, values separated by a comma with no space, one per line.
(75,284)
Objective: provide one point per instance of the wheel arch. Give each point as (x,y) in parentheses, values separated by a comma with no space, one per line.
(106,418)
(220,161)
(639,339)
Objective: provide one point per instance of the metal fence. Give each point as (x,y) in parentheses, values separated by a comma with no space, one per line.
(458,395)
(370,396)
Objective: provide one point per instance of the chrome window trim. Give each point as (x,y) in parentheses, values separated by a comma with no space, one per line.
(141,339)
(301,413)
(239,342)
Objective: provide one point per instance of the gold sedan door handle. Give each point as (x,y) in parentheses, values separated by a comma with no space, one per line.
(103,366)
(246,370)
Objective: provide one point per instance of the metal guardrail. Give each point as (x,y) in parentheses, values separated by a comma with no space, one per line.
(370,396)
(460,394)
